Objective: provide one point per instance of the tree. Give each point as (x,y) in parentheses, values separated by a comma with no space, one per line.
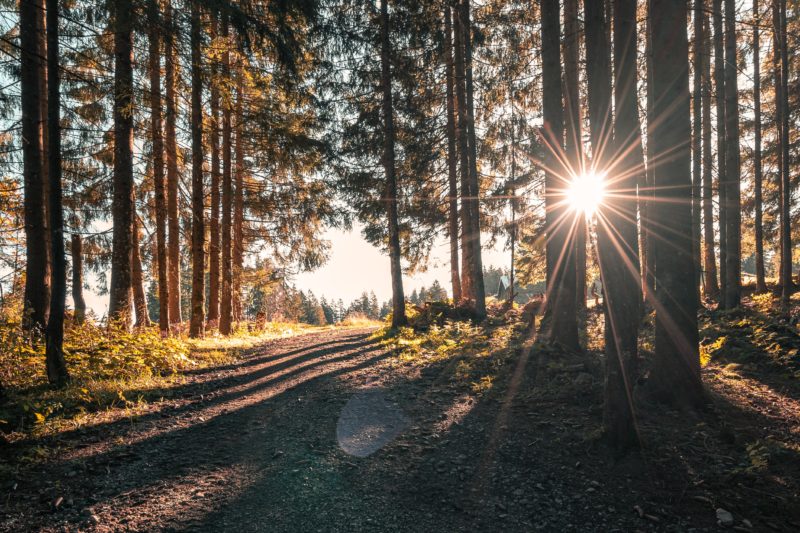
(719,87)
(137,279)
(733,200)
(56,365)
(31,64)
(782,120)
(214,225)
(560,322)
(697,138)
(710,282)
(452,156)
(226,302)
(173,178)
(76,250)
(119,308)
(761,284)
(676,365)
(391,194)
(238,202)
(198,223)
(159,188)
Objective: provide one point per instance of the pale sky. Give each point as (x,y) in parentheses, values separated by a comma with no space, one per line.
(354,266)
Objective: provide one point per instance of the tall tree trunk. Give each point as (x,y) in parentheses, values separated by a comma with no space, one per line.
(787,284)
(36,269)
(452,156)
(710,283)
(78,302)
(391,191)
(42,33)
(238,201)
(56,365)
(460,77)
(173,179)
(137,278)
(733,194)
(560,324)
(226,307)
(574,136)
(697,140)
(761,283)
(214,245)
(617,236)
(719,88)
(198,223)
(648,195)
(159,189)
(676,365)
(476,263)
(119,308)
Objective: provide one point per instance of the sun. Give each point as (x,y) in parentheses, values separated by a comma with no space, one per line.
(586,192)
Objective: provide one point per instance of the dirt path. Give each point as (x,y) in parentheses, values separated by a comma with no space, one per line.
(260,446)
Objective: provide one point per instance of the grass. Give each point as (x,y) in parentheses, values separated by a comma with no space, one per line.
(110,369)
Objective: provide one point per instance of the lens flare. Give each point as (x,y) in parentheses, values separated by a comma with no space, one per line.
(586,192)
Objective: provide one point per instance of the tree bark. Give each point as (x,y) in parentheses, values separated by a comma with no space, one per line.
(648,257)
(56,365)
(137,279)
(391,191)
(119,308)
(697,141)
(733,194)
(574,135)
(214,230)
(710,284)
(676,365)
(761,282)
(238,201)
(719,86)
(460,77)
(78,302)
(782,96)
(560,324)
(36,269)
(452,156)
(476,263)
(159,189)
(196,321)
(617,237)
(226,303)
(173,179)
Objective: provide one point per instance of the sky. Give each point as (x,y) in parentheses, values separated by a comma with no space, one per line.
(354,266)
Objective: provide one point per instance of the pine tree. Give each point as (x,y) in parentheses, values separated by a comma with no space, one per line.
(198,223)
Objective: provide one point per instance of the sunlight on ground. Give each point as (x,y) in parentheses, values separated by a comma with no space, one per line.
(586,192)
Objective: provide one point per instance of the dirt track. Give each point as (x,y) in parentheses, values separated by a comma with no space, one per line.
(253,446)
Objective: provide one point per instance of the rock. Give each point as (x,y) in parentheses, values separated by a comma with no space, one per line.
(724,518)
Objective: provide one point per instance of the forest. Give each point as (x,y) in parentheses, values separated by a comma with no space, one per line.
(173,171)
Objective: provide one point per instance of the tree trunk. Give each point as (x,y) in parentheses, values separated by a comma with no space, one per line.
(159,189)
(719,86)
(648,268)
(198,223)
(137,279)
(238,202)
(78,302)
(391,192)
(617,237)
(460,76)
(452,156)
(676,365)
(733,194)
(560,324)
(214,245)
(173,179)
(761,283)
(710,283)
(36,269)
(226,307)
(782,96)
(697,138)
(476,263)
(574,136)
(119,308)
(56,365)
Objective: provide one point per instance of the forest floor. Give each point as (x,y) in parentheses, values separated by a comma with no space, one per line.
(472,429)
